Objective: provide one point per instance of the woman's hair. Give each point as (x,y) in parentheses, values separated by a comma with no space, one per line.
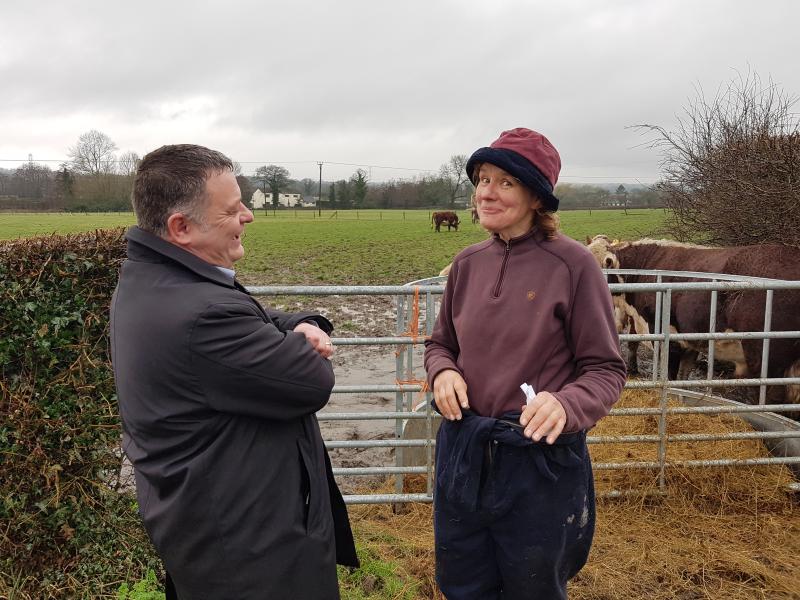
(546,220)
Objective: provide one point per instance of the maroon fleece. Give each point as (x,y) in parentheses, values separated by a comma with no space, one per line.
(535,311)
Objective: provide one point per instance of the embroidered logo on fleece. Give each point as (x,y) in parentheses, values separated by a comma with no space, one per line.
(531,294)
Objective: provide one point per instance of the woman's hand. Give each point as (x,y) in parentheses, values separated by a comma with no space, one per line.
(317,338)
(544,416)
(450,393)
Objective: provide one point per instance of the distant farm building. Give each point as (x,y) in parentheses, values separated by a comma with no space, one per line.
(285,200)
(616,200)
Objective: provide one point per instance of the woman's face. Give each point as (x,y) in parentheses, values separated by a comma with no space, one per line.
(505,205)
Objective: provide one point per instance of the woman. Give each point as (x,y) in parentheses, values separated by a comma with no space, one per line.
(514,500)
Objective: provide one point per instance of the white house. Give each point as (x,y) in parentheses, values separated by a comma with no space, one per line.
(286,200)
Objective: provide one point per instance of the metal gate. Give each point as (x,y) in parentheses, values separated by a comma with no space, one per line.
(416,309)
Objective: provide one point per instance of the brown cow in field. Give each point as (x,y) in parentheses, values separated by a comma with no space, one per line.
(737,310)
(445,216)
(475,218)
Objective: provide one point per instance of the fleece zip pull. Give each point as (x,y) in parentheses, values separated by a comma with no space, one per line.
(496,293)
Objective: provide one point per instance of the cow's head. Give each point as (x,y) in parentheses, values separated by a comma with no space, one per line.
(602,248)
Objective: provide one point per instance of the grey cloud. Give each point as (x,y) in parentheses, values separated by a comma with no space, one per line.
(359,80)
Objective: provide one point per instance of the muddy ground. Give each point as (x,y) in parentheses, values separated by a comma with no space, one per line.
(361,316)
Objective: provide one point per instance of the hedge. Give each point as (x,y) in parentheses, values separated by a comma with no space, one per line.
(68,522)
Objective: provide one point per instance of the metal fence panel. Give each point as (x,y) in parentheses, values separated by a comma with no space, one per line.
(419,298)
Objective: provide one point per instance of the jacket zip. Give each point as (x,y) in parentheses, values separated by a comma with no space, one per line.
(497,287)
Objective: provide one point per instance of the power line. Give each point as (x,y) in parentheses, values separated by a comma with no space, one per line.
(37,160)
(614,177)
(635,178)
(379,166)
(247,162)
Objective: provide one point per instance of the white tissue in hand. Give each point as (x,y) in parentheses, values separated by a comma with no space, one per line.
(528,391)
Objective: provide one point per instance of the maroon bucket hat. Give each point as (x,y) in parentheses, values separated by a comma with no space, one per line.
(528,156)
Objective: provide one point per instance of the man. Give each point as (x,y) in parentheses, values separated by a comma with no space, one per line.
(217,397)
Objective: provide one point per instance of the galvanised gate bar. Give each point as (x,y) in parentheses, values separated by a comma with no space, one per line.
(416,308)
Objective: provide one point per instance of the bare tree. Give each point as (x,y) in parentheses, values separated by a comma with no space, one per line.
(309,186)
(454,175)
(732,166)
(93,154)
(128,163)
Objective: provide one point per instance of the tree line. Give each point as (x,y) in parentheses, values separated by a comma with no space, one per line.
(99,178)
(96,178)
(448,187)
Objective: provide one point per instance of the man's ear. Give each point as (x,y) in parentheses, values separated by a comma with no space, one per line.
(179,229)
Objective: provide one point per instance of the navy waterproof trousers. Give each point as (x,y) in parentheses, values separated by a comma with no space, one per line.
(513,519)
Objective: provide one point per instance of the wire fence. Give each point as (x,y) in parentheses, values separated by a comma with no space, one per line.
(366,214)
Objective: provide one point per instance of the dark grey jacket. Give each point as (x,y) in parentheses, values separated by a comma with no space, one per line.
(217,397)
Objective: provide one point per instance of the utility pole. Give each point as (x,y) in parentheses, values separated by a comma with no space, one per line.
(266,204)
(319,198)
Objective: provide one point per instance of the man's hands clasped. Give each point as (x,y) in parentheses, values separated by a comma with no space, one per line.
(318,339)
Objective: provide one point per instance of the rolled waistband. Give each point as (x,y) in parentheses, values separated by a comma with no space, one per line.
(507,429)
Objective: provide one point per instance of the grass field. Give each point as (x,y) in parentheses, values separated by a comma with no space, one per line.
(17,225)
(348,247)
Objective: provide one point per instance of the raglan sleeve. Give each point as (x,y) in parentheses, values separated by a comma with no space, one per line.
(286,321)
(593,340)
(442,349)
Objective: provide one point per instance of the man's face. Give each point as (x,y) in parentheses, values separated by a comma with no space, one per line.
(218,240)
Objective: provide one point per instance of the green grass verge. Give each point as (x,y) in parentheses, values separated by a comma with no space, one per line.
(147,589)
(378,577)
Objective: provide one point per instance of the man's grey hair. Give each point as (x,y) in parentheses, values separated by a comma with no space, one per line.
(172,179)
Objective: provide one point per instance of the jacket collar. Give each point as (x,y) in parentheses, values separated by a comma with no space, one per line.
(142,245)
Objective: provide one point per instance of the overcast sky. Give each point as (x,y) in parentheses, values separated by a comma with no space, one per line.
(389,84)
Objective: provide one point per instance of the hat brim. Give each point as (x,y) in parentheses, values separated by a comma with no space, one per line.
(520,167)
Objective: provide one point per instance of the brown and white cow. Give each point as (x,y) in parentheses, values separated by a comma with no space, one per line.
(626,317)
(737,310)
(445,216)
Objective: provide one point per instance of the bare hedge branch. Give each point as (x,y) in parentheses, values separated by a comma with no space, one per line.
(731,166)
